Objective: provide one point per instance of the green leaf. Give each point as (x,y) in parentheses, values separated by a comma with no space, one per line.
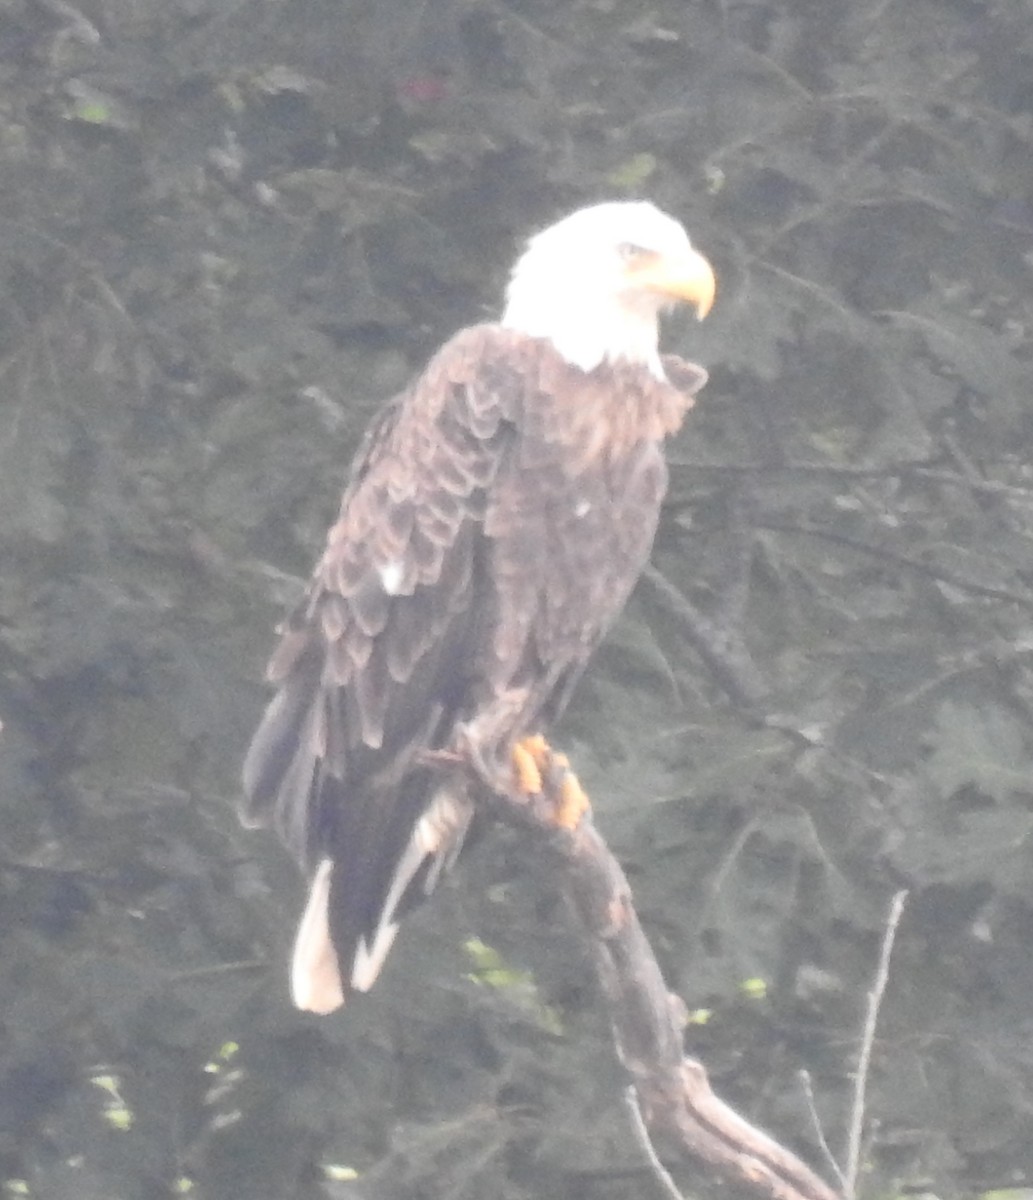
(633,173)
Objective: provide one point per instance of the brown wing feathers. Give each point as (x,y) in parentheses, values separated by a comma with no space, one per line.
(372,664)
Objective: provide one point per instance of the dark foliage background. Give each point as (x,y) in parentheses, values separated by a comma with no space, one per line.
(228,229)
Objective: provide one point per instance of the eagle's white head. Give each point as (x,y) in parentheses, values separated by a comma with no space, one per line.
(594,284)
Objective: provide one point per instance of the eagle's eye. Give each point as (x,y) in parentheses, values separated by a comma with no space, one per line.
(631,252)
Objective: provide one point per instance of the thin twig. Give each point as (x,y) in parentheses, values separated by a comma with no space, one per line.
(819,1132)
(864,1059)
(648,1149)
(929,570)
(990,487)
(723,649)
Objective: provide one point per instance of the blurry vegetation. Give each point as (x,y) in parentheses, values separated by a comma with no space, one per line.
(229,229)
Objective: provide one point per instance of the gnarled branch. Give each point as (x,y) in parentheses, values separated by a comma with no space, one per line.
(672,1091)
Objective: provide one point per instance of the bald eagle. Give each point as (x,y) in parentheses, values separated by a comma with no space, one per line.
(497,516)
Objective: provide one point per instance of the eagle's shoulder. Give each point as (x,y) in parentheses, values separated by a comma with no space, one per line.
(482,350)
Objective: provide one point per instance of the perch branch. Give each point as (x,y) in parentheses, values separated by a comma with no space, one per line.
(672,1092)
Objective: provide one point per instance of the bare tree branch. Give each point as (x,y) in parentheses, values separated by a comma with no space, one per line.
(672,1092)
(864,1058)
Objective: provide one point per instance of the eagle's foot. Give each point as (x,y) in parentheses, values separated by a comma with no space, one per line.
(543,774)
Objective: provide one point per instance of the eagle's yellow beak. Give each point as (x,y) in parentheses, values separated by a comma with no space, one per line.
(687,277)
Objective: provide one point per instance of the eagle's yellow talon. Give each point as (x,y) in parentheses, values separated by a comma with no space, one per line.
(538,748)
(573,803)
(526,769)
(538,768)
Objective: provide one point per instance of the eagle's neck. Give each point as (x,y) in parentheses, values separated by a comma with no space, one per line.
(603,415)
(587,330)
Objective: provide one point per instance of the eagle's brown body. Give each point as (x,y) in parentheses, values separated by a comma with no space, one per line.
(498,515)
